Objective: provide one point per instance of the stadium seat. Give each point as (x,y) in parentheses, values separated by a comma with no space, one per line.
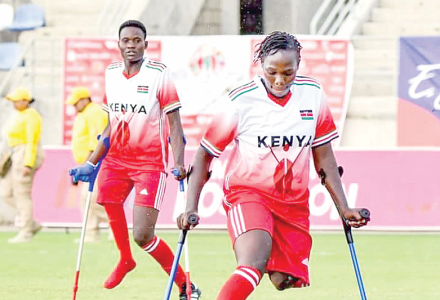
(6,15)
(27,17)
(10,53)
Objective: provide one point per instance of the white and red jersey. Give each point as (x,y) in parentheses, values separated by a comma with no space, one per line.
(137,105)
(273,138)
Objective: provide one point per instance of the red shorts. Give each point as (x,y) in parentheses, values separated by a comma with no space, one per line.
(116,183)
(291,244)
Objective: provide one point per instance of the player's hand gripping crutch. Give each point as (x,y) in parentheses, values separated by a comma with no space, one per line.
(193,219)
(86,173)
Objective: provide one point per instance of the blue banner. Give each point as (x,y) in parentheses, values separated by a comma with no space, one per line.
(419,72)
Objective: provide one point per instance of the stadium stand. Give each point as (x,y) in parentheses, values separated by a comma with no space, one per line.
(28,17)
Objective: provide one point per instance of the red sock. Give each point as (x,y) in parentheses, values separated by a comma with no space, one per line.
(162,253)
(241,284)
(118,224)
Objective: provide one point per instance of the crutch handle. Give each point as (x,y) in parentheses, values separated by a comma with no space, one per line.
(193,219)
(365,213)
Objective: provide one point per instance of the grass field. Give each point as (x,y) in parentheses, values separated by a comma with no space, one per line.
(394,267)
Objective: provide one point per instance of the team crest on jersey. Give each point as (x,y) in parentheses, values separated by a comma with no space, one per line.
(142,89)
(306,114)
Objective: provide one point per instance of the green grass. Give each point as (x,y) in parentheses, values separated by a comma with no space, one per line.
(394,267)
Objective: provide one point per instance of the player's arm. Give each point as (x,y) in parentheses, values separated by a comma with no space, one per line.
(325,163)
(177,143)
(199,175)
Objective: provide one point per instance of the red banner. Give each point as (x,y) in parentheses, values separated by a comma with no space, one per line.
(399,187)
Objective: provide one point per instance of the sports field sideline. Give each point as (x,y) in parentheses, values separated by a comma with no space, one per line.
(394,266)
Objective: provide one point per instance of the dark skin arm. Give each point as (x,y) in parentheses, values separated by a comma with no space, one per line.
(324,159)
(177,144)
(197,180)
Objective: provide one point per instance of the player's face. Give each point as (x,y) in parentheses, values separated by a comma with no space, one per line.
(279,71)
(132,44)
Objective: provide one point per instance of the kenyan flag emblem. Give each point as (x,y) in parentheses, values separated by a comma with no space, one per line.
(142,89)
(306,114)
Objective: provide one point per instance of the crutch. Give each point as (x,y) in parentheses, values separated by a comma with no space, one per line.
(83,232)
(185,245)
(365,213)
(180,243)
(92,179)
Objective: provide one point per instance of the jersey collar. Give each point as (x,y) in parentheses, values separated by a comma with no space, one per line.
(280,101)
(128,76)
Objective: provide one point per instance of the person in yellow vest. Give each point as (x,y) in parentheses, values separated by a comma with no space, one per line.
(23,137)
(89,123)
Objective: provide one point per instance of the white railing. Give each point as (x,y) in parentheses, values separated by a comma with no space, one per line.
(330,16)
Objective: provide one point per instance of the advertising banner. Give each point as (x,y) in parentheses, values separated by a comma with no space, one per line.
(418,114)
(400,188)
(205,69)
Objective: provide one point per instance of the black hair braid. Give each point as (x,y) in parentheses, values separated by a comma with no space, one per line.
(133,23)
(275,41)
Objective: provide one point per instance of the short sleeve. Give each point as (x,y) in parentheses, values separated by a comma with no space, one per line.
(222,130)
(325,127)
(167,93)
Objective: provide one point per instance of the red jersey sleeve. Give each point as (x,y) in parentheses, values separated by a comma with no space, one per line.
(167,93)
(325,127)
(221,132)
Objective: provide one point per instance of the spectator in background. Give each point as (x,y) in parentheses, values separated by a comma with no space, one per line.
(89,123)
(24,134)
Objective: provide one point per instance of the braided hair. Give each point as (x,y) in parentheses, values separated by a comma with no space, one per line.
(275,41)
(133,23)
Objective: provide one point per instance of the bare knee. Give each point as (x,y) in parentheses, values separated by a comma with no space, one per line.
(143,237)
(144,221)
(253,249)
(282,281)
(257,263)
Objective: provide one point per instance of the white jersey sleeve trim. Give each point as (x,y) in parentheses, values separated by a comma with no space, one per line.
(172,106)
(210,148)
(325,138)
